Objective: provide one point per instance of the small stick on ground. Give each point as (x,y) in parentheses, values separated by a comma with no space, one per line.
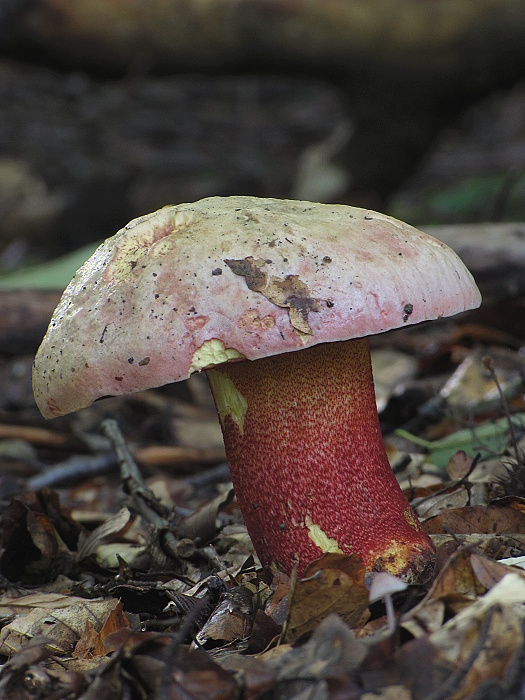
(144,500)
(489,365)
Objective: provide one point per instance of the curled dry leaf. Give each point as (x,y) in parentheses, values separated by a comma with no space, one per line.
(455,587)
(115,526)
(498,546)
(106,542)
(202,524)
(278,604)
(439,499)
(490,572)
(464,577)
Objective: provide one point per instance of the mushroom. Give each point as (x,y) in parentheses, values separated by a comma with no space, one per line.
(383,586)
(274,300)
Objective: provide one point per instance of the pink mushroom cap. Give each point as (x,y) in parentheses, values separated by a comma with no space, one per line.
(258,277)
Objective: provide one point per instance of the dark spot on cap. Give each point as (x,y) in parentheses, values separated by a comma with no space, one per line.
(144,362)
(407,310)
(217,271)
(250,269)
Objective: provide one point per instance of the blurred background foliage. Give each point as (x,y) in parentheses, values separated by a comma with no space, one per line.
(112,108)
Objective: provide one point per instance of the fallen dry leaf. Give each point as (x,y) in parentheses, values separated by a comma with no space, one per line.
(332,654)
(442,500)
(487,571)
(455,587)
(91,643)
(411,666)
(230,621)
(202,524)
(15,672)
(459,465)
(38,536)
(480,641)
(425,618)
(195,675)
(456,583)
(465,576)
(61,622)
(391,692)
(494,546)
(115,526)
(482,519)
(333,584)
(277,605)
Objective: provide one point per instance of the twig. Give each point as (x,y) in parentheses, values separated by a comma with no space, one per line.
(489,365)
(36,436)
(74,469)
(145,502)
(291,592)
(167,455)
(210,476)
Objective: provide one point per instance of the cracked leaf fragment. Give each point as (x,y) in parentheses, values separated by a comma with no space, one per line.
(289,292)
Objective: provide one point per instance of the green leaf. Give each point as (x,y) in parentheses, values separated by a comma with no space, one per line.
(55,274)
(490,438)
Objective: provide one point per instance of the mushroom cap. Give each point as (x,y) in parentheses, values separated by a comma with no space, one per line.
(384,584)
(193,285)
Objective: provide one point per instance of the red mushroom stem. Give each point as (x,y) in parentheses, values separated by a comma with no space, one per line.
(308,463)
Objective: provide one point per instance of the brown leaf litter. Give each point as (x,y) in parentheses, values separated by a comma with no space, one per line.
(144,583)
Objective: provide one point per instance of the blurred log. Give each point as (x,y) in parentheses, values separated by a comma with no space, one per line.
(475,168)
(81,158)
(24,317)
(463,41)
(494,253)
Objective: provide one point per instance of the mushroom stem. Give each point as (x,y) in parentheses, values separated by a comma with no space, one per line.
(308,463)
